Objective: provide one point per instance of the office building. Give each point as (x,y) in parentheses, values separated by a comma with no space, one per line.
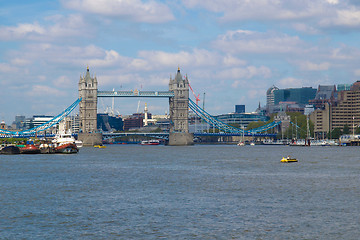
(344,111)
(239,108)
(297,95)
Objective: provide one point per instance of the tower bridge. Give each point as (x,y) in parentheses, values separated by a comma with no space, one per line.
(178,96)
(179,105)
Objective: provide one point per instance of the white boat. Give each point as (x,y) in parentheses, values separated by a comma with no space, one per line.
(150,142)
(63,138)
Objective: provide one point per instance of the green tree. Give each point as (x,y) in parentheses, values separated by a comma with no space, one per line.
(357,130)
(336,133)
(257,124)
(346,129)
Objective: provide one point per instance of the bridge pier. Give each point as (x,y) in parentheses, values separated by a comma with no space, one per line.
(181,139)
(90,139)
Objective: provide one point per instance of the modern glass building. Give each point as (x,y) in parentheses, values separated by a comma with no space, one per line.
(343,87)
(298,95)
(239,108)
(106,122)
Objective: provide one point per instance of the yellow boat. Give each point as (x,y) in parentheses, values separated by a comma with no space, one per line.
(288,159)
(99,146)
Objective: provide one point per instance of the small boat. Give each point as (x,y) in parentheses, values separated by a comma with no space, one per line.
(10,149)
(241,144)
(99,146)
(29,149)
(288,159)
(150,142)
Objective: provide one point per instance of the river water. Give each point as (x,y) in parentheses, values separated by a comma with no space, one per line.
(195,192)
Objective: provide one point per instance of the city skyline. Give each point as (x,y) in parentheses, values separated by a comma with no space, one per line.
(233,51)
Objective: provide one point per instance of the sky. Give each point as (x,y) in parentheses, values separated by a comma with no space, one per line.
(231,50)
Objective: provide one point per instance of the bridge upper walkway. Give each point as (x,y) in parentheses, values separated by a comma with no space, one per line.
(136,93)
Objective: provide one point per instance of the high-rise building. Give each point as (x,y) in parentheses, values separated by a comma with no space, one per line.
(297,95)
(324,94)
(105,122)
(239,108)
(19,122)
(270,96)
(344,87)
(344,111)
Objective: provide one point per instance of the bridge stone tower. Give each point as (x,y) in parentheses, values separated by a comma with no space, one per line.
(88,110)
(179,111)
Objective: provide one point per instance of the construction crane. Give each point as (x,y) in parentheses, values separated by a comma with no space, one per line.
(197,98)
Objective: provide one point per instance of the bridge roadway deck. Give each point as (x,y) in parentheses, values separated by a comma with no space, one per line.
(166,135)
(155,135)
(136,93)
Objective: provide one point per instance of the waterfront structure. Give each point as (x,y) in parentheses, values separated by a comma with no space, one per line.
(241,119)
(344,111)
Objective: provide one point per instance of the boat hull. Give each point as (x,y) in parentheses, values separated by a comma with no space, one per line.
(288,160)
(29,149)
(9,150)
(67,148)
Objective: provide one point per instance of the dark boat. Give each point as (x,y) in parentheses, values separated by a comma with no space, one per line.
(11,149)
(66,148)
(30,149)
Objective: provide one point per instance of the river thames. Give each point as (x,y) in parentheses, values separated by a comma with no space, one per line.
(195,192)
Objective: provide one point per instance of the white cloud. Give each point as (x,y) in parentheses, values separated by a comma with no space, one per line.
(21,31)
(260,9)
(136,10)
(7,68)
(357,72)
(257,42)
(343,17)
(42,90)
(315,13)
(63,82)
(306,28)
(55,28)
(309,66)
(243,73)
(290,82)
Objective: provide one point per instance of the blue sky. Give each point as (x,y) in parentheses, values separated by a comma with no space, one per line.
(232,50)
